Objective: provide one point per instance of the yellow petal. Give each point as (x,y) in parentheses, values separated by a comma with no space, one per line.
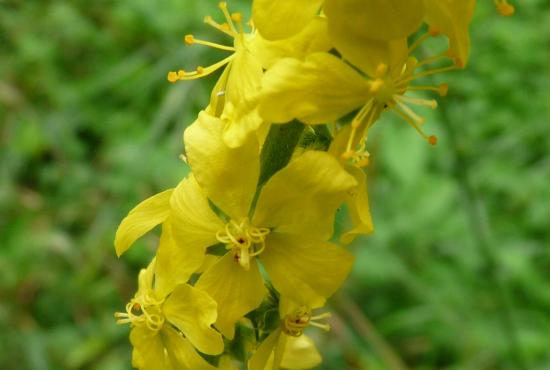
(148,350)
(227,175)
(367,54)
(304,269)
(145,280)
(193,312)
(358,206)
(243,83)
(236,291)
(141,219)
(300,353)
(452,17)
(181,353)
(313,38)
(174,263)
(382,20)
(320,89)
(260,358)
(283,18)
(303,197)
(194,224)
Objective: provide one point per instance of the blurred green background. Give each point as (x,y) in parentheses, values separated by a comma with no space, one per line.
(456,276)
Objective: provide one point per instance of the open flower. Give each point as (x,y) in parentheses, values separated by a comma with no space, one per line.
(287,231)
(167,325)
(287,346)
(231,98)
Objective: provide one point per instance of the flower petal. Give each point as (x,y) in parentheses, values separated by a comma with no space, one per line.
(312,39)
(382,20)
(320,89)
(303,197)
(260,358)
(148,350)
(358,206)
(174,263)
(194,224)
(236,291)
(304,269)
(141,219)
(193,312)
(227,175)
(300,353)
(181,353)
(283,18)
(452,17)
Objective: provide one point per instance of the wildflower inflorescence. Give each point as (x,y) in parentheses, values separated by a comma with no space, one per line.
(249,232)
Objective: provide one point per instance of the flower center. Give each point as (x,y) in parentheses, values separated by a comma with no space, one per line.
(233,27)
(243,239)
(388,94)
(295,323)
(143,311)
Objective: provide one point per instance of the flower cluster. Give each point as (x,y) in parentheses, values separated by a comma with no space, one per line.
(247,256)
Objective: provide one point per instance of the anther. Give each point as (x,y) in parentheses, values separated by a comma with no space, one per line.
(173,77)
(432,139)
(381,70)
(237,17)
(189,39)
(200,70)
(433,31)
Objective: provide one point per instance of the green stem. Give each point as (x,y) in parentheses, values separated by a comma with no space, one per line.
(278,148)
(480,226)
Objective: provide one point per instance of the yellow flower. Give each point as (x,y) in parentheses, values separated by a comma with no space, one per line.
(167,326)
(287,231)
(287,346)
(232,98)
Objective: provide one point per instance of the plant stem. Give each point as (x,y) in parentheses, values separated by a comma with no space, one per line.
(278,148)
(362,325)
(480,225)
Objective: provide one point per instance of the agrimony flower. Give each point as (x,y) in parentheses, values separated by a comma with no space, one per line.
(167,326)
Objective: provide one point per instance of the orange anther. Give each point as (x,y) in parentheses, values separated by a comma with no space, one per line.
(200,70)
(237,17)
(189,39)
(432,139)
(172,77)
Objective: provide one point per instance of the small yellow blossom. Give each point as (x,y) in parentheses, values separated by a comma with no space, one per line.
(287,346)
(168,326)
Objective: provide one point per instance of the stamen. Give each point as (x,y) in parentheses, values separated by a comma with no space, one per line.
(223,6)
(441,89)
(244,240)
(199,72)
(419,42)
(433,59)
(220,27)
(294,324)
(504,8)
(145,311)
(408,111)
(190,40)
(434,71)
(430,103)
(430,139)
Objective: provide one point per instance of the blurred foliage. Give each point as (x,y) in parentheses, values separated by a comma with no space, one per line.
(456,275)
